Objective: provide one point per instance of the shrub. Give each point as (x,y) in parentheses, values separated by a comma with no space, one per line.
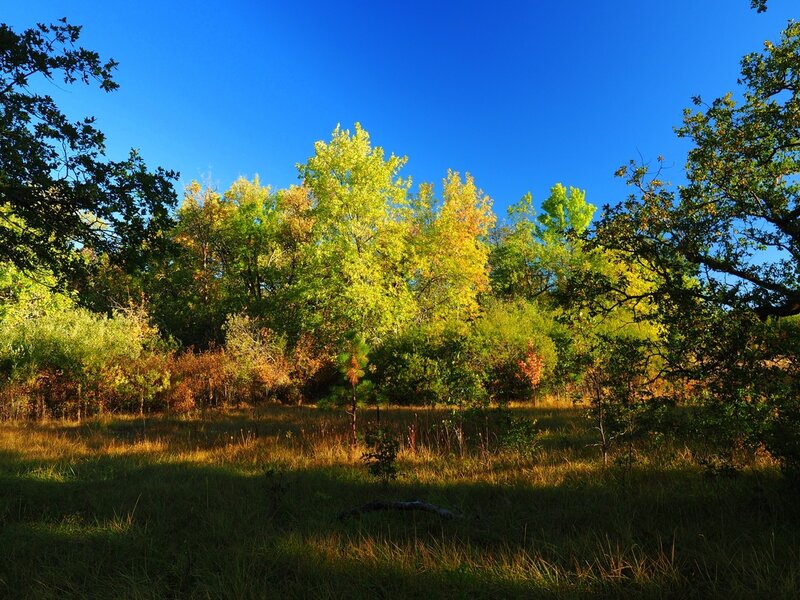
(511,345)
(506,354)
(71,362)
(518,434)
(421,367)
(258,357)
(616,385)
(201,380)
(381,454)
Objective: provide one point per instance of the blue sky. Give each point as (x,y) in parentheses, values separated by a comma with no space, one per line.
(520,94)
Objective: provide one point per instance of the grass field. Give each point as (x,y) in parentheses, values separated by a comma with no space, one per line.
(246,505)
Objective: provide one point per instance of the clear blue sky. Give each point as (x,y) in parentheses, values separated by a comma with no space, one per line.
(522,94)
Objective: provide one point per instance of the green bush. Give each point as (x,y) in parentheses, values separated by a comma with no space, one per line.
(381,454)
(71,362)
(420,367)
(460,368)
(502,339)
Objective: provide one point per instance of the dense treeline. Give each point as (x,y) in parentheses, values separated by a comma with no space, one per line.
(356,287)
(257,290)
(260,288)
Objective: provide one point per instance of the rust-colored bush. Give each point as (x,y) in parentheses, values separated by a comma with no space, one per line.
(201,380)
(17,400)
(310,367)
(531,367)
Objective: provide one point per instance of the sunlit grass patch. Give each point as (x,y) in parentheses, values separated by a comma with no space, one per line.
(247,505)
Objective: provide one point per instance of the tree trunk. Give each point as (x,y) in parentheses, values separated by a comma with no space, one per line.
(354,438)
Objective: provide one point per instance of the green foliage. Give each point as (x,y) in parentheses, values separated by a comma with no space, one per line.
(353,358)
(468,366)
(503,337)
(564,212)
(428,366)
(23,295)
(381,454)
(71,362)
(535,256)
(55,192)
(355,276)
(518,434)
(741,381)
(239,252)
(352,361)
(724,251)
(732,228)
(781,402)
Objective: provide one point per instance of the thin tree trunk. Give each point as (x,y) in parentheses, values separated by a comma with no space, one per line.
(354,439)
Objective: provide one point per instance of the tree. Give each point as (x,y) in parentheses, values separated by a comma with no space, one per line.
(357,254)
(198,304)
(724,251)
(352,361)
(536,255)
(57,193)
(450,250)
(236,252)
(732,234)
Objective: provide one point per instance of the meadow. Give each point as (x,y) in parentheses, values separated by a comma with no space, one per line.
(254,504)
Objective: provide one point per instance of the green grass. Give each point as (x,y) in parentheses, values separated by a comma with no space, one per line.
(245,505)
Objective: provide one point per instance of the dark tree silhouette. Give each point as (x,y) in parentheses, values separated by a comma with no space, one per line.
(58,193)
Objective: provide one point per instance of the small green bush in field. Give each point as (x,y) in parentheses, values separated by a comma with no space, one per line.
(381,454)
(518,434)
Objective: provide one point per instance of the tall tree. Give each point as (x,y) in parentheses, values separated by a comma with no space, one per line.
(57,193)
(451,249)
(735,227)
(725,251)
(358,252)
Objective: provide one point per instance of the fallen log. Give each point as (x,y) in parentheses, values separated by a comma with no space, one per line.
(378,505)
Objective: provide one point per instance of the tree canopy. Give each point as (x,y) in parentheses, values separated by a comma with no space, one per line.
(58,193)
(734,227)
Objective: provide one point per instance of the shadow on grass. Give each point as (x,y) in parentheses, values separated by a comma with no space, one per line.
(140,526)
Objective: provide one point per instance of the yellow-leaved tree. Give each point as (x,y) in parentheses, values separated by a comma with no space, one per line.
(357,257)
(451,250)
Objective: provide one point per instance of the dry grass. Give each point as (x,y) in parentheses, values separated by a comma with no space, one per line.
(245,504)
